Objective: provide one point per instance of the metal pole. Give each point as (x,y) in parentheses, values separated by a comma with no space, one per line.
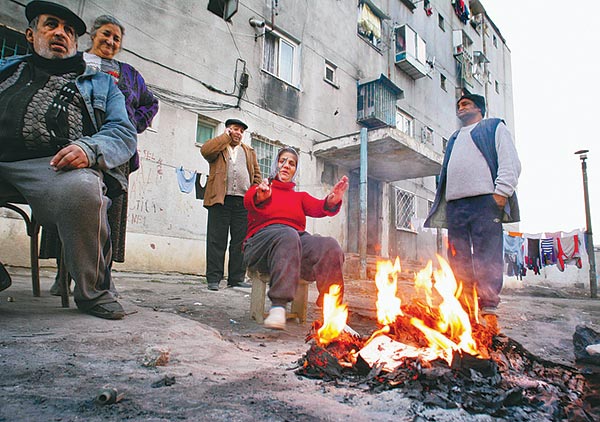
(362,229)
(588,221)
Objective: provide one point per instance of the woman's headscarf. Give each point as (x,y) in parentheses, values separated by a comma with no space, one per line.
(275,164)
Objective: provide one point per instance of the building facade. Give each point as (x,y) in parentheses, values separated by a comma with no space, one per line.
(308,74)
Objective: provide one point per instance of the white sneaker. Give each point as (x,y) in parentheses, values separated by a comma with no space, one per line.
(276,318)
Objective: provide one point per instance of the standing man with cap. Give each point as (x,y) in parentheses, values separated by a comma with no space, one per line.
(64,131)
(475,195)
(233,169)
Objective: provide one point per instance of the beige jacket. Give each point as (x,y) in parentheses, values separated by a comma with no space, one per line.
(216,153)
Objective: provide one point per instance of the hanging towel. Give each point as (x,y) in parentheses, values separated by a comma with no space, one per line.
(186,184)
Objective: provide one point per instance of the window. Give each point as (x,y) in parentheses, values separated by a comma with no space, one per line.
(497,87)
(280,57)
(427,135)
(330,73)
(444,145)
(405,210)
(495,40)
(441,22)
(369,24)
(405,123)
(12,43)
(265,153)
(443,82)
(205,130)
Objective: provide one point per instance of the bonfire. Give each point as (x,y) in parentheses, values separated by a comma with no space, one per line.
(438,350)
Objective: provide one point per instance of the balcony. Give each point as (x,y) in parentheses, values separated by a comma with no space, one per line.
(392,154)
(376,102)
(410,53)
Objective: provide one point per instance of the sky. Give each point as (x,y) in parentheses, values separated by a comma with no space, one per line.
(556,91)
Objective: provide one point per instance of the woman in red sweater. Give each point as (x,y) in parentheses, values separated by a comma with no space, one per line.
(277,242)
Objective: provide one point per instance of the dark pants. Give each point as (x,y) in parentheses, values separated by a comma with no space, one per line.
(288,255)
(475,246)
(229,219)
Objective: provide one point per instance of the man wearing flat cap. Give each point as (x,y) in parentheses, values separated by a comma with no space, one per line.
(233,169)
(475,195)
(64,131)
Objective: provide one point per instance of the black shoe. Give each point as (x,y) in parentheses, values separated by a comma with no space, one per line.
(5,280)
(241,284)
(213,286)
(110,310)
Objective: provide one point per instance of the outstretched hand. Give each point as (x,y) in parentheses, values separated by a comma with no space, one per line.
(263,192)
(336,194)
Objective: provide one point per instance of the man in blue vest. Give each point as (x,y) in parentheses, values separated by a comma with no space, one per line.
(475,195)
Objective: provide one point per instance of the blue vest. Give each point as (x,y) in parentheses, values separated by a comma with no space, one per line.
(484,137)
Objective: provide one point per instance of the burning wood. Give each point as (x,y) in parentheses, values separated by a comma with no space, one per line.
(435,350)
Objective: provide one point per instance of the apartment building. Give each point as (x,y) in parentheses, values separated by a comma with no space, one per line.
(324,76)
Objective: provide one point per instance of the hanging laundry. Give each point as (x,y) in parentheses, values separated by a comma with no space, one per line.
(200,187)
(427,7)
(186,184)
(461,9)
(568,252)
(532,259)
(548,255)
(513,255)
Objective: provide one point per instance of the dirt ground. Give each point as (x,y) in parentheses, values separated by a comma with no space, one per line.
(222,366)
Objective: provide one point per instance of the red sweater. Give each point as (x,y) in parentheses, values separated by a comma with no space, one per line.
(285,206)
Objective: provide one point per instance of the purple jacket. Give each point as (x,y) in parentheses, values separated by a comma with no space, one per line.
(141,104)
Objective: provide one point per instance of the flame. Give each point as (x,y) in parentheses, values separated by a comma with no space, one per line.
(454,330)
(446,325)
(423,282)
(335,315)
(386,279)
(438,322)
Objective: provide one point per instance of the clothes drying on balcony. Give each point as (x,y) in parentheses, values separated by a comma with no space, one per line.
(462,10)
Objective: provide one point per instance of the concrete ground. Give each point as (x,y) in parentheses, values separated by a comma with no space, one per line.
(221,365)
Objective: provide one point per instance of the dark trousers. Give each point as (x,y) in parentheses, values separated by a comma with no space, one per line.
(475,246)
(229,219)
(288,255)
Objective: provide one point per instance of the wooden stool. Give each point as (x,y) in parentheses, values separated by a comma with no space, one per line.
(257,298)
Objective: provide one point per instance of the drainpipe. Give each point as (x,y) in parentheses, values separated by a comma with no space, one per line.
(362,224)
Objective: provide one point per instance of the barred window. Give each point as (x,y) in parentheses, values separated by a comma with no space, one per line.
(405,210)
(12,43)
(265,153)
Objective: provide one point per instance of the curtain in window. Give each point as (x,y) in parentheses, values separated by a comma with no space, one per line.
(286,61)
(270,53)
(369,23)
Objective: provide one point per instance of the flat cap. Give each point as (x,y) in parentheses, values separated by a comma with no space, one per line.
(38,7)
(229,122)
